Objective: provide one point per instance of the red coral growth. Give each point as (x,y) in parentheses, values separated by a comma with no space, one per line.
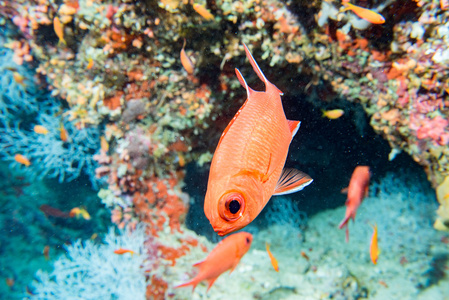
(113,102)
(156,290)
(172,254)
(434,129)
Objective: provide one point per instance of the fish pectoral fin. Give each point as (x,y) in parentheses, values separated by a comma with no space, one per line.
(290,181)
(344,191)
(293,126)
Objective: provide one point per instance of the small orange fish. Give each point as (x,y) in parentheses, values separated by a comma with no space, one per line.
(357,190)
(185,61)
(248,164)
(59,30)
(90,63)
(20,79)
(46,252)
(22,160)
(364,13)
(274,261)
(303,254)
(79,212)
(122,251)
(40,129)
(333,114)
(226,255)
(104,144)
(64,135)
(374,249)
(202,11)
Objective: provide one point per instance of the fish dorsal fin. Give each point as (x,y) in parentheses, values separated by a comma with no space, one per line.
(291,181)
(259,71)
(242,81)
(293,126)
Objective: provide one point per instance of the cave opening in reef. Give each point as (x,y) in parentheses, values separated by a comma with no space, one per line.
(327,150)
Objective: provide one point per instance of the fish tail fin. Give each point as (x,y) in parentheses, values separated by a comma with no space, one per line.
(259,71)
(243,83)
(323,113)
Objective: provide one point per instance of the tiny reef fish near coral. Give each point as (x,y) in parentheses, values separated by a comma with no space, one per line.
(40,129)
(226,255)
(185,61)
(332,114)
(59,30)
(248,165)
(22,160)
(63,135)
(364,13)
(79,212)
(122,251)
(202,11)
(374,249)
(274,261)
(357,190)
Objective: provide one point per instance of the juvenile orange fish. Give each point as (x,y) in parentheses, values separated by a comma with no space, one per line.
(40,129)
(364,13)
(226,255)
(79,212)
(59,30)
(64,135)
(374,249)
(333,114)
(357,190)
(274,261)
(90,63)
(247,167)
(185,61)
(22,160)
(202,11)
(123,251)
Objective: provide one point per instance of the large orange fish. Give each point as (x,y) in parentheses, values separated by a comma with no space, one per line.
(248,164)
(357,190)
(226,255)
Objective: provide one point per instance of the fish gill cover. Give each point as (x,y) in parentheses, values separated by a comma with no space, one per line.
(113,83)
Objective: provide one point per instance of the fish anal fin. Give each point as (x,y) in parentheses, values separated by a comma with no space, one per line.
(290,181)
(211,282)
(293,126)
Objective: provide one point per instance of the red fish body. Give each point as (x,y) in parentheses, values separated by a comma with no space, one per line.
(357,190)
(247,167)
(226,255)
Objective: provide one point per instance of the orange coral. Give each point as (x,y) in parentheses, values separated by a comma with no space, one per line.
(113,102)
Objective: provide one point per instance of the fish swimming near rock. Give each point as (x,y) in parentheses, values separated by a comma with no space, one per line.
(357,190)
(226,255)
(248,165)
(21,159)
(364,13)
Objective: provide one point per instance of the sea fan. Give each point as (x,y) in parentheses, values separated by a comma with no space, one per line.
(91,271)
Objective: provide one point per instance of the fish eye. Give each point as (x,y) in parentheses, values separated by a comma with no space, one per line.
(232,206)
(248,240)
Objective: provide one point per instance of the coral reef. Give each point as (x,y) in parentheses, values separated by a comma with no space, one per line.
(116,65)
